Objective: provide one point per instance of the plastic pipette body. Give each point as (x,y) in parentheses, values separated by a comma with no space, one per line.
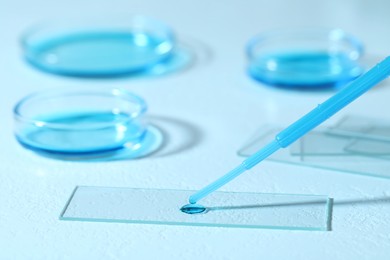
(305,124)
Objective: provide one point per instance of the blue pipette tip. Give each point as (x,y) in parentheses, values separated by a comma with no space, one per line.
(193,209)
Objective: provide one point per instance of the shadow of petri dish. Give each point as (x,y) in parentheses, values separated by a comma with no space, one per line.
(178,135)
(202,53)
(188,54)
(165,136)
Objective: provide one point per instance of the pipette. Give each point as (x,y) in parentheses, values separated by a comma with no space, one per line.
(302,126)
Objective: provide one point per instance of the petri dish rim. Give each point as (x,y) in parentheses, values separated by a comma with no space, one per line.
(28,34)
(62,92)
(337,33)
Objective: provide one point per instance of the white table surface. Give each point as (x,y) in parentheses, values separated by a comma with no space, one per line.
(209,111)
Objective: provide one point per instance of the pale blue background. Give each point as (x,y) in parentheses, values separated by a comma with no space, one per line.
(207,108)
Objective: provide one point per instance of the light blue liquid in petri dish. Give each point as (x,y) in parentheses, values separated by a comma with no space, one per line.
(81,133)
(304,69)
(99,54)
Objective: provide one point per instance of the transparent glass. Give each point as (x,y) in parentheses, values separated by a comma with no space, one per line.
(362,127)
(82,124)
(307,58)
(225,209)
(350,136)
(96,47)
(370,148)
(320,143)
(326,152)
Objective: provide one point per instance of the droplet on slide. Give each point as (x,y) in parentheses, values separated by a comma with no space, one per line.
(193,209)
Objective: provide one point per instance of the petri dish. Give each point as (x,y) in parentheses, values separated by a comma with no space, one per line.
(307,59)
(91,47)
(84,124)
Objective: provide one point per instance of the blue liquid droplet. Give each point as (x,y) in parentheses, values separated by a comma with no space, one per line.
(193,209)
